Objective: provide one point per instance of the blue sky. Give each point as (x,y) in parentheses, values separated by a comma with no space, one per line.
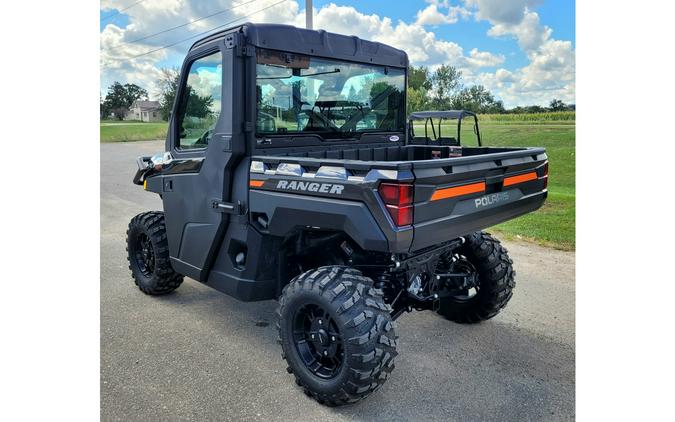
(522,50)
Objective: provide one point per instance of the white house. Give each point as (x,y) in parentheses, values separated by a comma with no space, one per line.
(145,111)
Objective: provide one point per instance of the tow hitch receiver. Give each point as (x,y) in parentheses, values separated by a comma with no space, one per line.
(457,281)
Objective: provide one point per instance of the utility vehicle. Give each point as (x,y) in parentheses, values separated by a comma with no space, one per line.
(291,173)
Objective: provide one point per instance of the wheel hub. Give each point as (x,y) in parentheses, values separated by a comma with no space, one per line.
(323,337)
(145,255)
(318,341)
(461,282)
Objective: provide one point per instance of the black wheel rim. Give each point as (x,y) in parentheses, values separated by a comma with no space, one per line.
(317,339)
(145,255)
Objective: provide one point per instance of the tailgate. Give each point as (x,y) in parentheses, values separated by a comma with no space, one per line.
(454,197)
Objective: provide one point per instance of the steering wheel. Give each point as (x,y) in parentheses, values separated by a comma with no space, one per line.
(205,138)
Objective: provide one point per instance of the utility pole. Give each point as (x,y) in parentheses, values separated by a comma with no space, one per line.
(308,14)
(309,24)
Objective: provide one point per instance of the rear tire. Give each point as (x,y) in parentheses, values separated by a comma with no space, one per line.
(496,281)
(148,254)
(361,354)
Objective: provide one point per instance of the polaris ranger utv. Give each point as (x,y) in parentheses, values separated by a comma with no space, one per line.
(289,174)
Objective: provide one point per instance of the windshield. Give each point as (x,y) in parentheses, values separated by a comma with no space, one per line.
(302,94)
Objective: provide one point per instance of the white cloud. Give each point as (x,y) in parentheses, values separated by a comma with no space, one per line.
(432,16)
(501,11)
(502,75)
(484,58)
(529,32)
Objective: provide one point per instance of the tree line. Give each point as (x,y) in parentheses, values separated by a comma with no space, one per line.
(443,90)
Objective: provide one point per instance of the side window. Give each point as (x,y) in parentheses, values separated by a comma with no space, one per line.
(199,105)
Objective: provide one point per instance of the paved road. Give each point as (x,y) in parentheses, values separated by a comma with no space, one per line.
(199,355)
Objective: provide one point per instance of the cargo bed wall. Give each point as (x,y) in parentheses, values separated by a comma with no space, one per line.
(457,200)
(452,196)
(377,152)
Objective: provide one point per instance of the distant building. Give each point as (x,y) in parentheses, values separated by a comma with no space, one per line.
(145,111)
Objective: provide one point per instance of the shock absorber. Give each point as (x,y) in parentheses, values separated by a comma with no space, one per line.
(383,282)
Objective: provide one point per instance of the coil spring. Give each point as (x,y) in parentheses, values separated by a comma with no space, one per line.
(391,284)
(384,282)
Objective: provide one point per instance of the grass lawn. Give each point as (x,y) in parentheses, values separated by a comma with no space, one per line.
(116,131)
(554,223)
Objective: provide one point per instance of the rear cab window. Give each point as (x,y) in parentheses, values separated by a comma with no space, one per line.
(299,94)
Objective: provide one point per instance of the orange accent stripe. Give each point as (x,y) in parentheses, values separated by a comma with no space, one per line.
(256,183)
(458,191)
(514,180)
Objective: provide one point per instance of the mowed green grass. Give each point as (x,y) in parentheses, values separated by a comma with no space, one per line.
(126,131)
(553,224)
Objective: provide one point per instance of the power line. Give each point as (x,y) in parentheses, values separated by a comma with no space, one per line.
(199,34)
(186,24)
(117,12)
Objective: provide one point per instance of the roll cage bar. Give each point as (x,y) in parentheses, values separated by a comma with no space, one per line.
(428,117)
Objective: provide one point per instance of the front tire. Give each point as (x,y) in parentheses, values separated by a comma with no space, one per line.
(496,281)
(148,254)
(336,334)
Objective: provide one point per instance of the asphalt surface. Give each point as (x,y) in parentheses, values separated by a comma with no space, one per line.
(197,354)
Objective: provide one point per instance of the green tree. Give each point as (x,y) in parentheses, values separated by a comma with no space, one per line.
(477,99)
(378,88)
(418,99)
(418,77)
(120,97)
(446,81)
(557,105)
(535,109)
(197,106)
(168,85)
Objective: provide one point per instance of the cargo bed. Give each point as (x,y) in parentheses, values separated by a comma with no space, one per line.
(453,196)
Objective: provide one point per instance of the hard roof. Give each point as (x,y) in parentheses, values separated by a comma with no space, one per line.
(446,114)
(315,43)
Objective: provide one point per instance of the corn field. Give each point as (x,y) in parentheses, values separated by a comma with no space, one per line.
(529,117)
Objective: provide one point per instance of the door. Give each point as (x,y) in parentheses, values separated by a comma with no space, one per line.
(199,177)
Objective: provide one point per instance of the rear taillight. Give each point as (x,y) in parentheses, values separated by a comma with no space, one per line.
(398,198)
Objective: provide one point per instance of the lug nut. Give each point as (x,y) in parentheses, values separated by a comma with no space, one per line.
(325,352)
(332,338)
(320,322)
(312,335)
